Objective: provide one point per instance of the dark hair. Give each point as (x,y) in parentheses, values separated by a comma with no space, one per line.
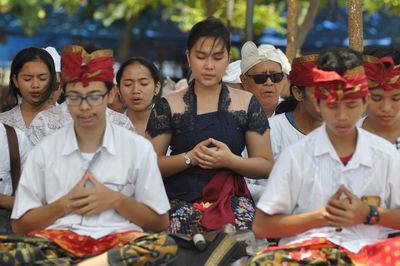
(210,27)
(289,103)
(28,55)
(382,51)
(339,59)
(155,73)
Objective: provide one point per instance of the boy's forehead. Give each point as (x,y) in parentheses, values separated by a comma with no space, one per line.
(91,87)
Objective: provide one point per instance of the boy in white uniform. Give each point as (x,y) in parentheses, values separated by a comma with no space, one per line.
(292,125)
(92,186)
(329,195)
(383,112)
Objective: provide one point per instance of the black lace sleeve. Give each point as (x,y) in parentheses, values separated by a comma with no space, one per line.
(257,119)
(160,119)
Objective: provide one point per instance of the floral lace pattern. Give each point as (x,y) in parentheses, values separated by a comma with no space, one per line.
(54,118)
(238,112)
(14,118)
(162,120)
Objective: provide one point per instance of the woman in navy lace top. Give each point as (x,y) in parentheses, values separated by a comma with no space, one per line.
(207,127)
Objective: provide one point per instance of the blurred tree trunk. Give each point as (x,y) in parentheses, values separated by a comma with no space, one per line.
(307,24)
(249,20)
(211,6)
(126,39)
(293,13)
(355,20)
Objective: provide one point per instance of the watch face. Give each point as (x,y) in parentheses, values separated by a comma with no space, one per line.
(187,159)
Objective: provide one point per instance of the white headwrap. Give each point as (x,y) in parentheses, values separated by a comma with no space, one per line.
(56,57)
(251,56)
(232,73)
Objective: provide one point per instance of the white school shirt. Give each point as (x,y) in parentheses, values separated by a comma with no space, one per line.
(24,147)
(309,172)
(127,163)
(50,120)
(282,134)
(396,143)
(360,122)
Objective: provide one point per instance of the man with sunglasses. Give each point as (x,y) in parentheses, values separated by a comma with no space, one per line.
(264,73)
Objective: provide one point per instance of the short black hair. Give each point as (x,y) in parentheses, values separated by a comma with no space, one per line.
(339,59)
(382,51)
(210,27)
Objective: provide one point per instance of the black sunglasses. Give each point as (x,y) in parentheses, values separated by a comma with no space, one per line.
(262,78)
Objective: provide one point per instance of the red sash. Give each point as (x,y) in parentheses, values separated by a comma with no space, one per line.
(80,245)
(219,192)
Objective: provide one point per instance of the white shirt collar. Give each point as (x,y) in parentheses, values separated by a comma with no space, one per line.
(71,142)
(323,145)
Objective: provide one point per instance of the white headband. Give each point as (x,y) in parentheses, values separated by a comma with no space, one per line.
(251,56)
(232,73)
(56,57)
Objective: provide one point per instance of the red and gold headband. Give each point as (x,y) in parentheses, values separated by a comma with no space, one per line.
(301,73)
(80,66)
(382,73)
(332,87)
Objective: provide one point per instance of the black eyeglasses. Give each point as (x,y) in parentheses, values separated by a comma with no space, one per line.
(262,78)
(92,99)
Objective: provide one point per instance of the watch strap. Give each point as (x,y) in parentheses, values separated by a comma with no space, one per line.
(373,215)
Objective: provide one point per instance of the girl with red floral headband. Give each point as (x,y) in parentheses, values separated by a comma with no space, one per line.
(330,195)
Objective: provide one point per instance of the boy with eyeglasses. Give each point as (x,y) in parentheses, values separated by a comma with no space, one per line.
(88,190)
(264,73)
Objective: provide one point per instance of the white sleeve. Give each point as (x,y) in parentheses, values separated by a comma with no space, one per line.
(283,186)
(30,193)
(276,142)
(394,183)
(149,188)
(24,146)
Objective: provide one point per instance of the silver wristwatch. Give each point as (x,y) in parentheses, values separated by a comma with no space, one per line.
(187,159)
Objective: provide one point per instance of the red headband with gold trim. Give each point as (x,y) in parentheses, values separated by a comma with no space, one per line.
(382,73)
(332,87)
(80,66)
(301,73)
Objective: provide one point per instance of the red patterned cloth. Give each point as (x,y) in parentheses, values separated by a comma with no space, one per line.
(383,252)
(382,73)
(331,86)
(219,192)
(80,245)
(80,66)
(301,73)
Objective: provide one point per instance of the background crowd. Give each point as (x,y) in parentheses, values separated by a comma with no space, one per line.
(117,163)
